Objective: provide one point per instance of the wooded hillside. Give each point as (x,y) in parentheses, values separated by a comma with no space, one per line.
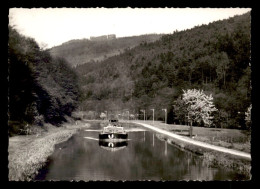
(41,88)
(213,57)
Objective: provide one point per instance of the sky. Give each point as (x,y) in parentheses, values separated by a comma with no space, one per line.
(54,26)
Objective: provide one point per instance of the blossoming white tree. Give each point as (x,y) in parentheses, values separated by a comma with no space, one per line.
(199,107)
(132,116)
(103,115)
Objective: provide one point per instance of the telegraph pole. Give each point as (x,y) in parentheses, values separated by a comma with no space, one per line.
(128,115)
(144,113)
(165,110)
(106,115)
(153,115)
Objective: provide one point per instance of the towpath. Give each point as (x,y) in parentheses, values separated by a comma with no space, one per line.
(197,143)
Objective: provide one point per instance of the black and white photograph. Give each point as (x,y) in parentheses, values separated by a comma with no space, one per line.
(129,94)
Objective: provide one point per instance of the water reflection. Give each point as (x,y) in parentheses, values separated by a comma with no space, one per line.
(144,157)
(165,151)
(153,139)
(112,146)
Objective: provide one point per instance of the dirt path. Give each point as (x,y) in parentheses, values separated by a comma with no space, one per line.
(198,143)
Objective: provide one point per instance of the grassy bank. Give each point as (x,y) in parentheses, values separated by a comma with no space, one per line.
(28,153)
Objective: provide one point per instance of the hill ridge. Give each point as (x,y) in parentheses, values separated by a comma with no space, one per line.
(80,51)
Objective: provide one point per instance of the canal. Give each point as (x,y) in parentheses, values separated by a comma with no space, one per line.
(143,157)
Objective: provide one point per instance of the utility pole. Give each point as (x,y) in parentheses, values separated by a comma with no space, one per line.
(106,114)
(144,113)
(128,115)
(165,110)
(153,115)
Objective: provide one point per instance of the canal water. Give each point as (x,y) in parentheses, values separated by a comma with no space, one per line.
(143,157)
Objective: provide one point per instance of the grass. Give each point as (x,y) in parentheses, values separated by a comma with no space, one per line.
(29,153)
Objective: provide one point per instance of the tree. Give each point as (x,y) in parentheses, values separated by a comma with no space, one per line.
(222,66)
(179,110)
(248,116)
(199,107)
(41,88)
(103,115)
(132,116)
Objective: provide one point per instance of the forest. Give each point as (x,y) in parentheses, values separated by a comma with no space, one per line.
(214,58)
(41,89)
(147,72)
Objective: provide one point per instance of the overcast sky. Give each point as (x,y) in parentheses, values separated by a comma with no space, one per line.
(54,26)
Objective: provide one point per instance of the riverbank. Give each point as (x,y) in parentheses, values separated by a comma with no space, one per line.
(213,155)
(29,153)
(229,138)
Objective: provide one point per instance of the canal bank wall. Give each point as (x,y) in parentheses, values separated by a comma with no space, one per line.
(29,153)
(214,156)
(197,143)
